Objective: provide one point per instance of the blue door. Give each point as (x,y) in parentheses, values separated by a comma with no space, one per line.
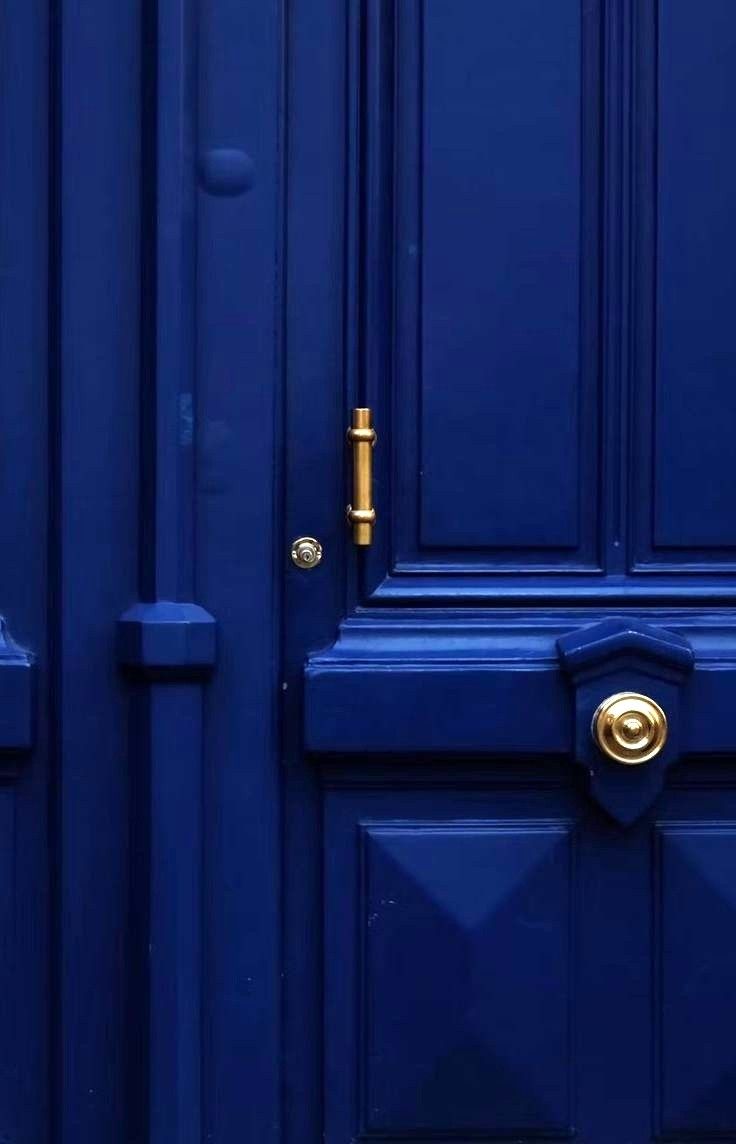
(413,821)
(510,849)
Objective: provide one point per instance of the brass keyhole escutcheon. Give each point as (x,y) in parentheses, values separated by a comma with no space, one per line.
(306,552)
(630,728)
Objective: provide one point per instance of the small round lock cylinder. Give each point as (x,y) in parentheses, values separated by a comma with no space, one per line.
(306,552)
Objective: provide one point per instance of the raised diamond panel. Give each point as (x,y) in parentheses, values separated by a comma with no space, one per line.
(696,929)
(467,979)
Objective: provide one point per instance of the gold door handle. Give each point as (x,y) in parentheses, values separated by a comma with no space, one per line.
(361,513)
(630,728)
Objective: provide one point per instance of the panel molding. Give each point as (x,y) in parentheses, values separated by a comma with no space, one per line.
(379,893)
(383,267)
(383,347)
(694,1092)
(489,684)
(464,911)
(651,550)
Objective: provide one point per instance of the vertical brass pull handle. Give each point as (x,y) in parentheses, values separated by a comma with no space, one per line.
(361,513)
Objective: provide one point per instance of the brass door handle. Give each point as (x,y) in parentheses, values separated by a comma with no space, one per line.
(629,728)
(361,513)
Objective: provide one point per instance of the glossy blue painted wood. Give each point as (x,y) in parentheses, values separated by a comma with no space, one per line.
(500,256)
(448,1037)
(695,919)
(168,639)
(441,696)
(316,345)
(26,815)
(292,856)
(240,254)
(694,483)
(606,659)
(105,1036)
(470,683)
(94,489)
(614,495)
(17,698)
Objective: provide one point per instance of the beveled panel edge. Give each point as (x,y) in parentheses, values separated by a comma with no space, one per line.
(489,685)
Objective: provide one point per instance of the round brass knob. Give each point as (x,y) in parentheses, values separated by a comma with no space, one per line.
(630,728)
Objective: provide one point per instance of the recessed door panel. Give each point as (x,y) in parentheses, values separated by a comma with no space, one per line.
(450,972)
(493,975)
(684,400)
(696,931)
(695,477)
(507,404)
(467,978)
(539,277)
(476,278)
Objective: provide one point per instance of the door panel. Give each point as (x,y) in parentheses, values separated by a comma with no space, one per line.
(496,977)
(695,930)
(482,215)
(695,401)
(463,1027)
(494,930)
(526,447)
(499,319)
(683,292)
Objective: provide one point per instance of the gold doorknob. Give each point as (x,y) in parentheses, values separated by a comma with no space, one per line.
(630,728)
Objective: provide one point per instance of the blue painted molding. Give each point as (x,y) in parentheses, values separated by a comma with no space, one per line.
(17,697)
(169,638)
(493,684)
(226,171)
(584,651)
(615,655)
